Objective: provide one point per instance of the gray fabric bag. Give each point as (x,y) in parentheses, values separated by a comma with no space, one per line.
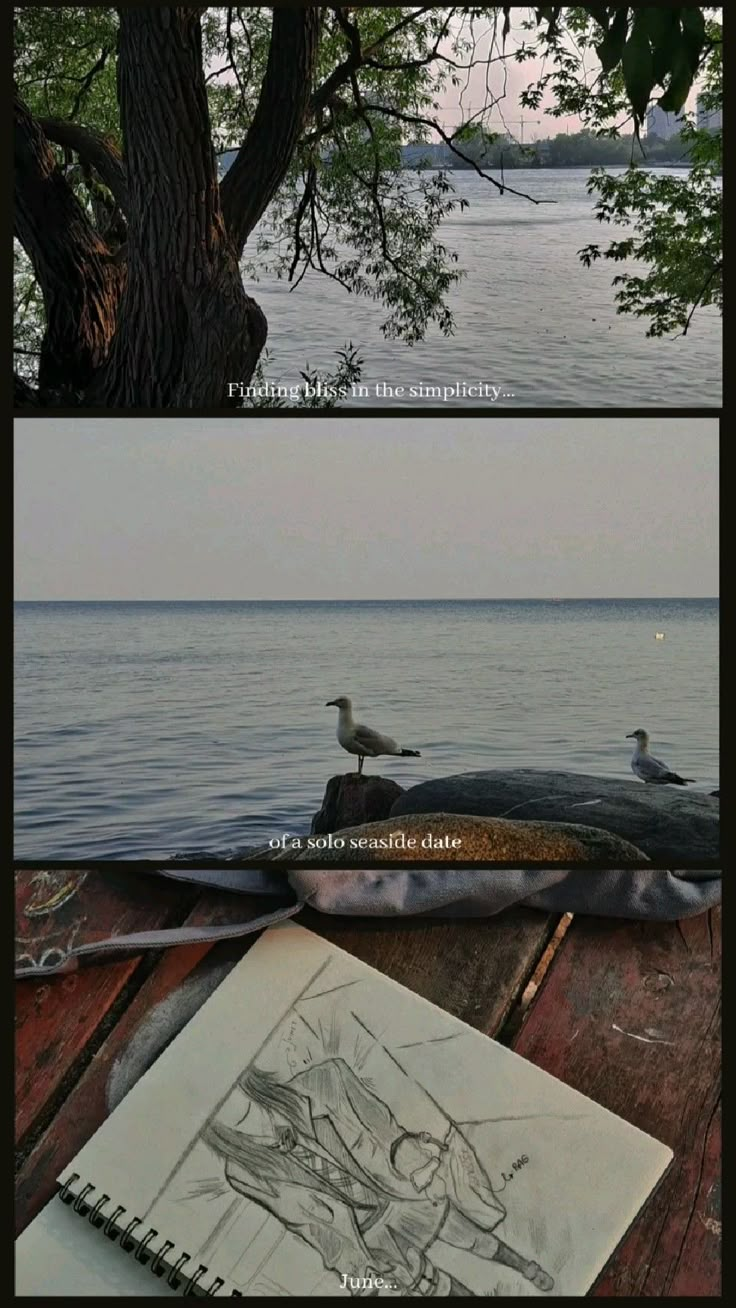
(439,892)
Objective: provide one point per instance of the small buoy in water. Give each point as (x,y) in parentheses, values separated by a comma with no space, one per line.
(659,635)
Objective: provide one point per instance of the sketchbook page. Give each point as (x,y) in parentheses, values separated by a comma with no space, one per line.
(316,1121)
(60,1254)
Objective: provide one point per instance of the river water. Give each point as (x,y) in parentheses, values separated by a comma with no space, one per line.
(530,318)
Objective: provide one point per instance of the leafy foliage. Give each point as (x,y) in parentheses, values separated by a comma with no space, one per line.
(641,50)
(318,390)
(65,63)
(28,317)
(675,222)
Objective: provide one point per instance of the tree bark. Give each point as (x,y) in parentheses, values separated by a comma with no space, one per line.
(262,162)
(79,280)
(187,326)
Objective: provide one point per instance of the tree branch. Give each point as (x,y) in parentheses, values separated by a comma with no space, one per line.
(264,158)
(717,267)
(87,80)
(418,121)
(79,282)
(99,151)
(357,57)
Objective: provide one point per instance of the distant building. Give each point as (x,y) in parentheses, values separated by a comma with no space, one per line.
(709,119)
(662,124)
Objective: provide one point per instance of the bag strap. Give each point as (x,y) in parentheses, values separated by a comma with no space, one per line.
(138,941)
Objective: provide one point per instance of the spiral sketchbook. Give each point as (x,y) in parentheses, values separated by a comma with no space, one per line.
(318,1130)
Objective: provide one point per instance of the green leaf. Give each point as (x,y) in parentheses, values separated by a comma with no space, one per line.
(611,48)
(693,36)
(665,55)
(659,24)
(693,20)
(679,85)
(638,70)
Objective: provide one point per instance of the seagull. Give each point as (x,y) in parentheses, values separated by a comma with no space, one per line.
(659,635)
(651,769)
(360,740)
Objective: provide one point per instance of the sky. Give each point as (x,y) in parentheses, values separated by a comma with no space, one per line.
(365,508)
(507,80)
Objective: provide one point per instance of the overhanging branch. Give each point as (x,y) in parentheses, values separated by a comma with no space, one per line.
(417,120)
(79,282)
(99,151)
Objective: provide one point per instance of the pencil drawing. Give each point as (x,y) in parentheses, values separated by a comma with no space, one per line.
(338,1170)
(351,1157)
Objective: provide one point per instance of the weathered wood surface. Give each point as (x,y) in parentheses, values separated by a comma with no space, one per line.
(629,1015)
(177,986)
(56,1019)
(474,969)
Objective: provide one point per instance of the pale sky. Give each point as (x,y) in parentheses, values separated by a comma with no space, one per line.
(365,508)
(506,80)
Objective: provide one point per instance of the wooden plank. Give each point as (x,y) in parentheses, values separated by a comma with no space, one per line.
(176,987)
(473,969)
(629,1015)
(56,1018)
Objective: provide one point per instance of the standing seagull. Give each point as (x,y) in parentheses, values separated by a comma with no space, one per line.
(650,769)
(363,741)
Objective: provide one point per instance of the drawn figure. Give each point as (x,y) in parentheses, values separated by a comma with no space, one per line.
(328,1159)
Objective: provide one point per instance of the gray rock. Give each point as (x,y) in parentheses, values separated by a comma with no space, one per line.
(350,800)
(671,826)
(449,837)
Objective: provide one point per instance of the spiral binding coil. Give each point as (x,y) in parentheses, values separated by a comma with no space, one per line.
(139,1245)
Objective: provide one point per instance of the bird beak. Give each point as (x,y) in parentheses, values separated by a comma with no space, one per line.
(631,735)
(331,703)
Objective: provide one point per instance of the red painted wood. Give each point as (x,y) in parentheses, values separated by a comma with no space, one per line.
(629,1015)
(57,1018)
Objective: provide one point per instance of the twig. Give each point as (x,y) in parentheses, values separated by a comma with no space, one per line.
(699,299)
(419,121)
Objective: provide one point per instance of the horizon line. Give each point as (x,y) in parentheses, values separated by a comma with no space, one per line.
(408,599)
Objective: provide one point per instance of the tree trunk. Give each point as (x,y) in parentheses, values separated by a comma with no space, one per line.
(186,325)
(165,322)
(79,279)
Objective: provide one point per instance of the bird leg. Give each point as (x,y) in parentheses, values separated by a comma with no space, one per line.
(361,761)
